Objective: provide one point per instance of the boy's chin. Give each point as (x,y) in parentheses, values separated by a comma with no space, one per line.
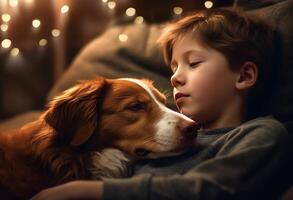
(185,112)
(192,115)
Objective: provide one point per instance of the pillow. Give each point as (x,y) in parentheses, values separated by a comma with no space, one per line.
(138,57)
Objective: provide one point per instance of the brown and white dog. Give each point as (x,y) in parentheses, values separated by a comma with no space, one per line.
(125,114)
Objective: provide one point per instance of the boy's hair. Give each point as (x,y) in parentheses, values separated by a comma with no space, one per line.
(239,38)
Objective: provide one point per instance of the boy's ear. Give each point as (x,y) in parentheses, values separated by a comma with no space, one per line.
(73,114)
(247,76)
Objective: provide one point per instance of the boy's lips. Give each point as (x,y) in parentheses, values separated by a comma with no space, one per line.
(180,96)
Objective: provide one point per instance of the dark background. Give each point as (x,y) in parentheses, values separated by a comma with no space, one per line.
(26,79)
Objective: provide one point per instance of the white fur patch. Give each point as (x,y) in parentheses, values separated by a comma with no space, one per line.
(110,163)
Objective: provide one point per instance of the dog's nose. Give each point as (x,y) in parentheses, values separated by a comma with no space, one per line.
(190,130)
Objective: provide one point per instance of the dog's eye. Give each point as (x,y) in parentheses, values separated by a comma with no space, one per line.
(136,107)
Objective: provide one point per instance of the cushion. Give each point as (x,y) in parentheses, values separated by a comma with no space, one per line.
(138,57)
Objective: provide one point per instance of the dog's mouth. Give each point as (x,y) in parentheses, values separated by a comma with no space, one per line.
(141,152)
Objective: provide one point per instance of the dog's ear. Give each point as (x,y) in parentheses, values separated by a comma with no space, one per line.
(73,115)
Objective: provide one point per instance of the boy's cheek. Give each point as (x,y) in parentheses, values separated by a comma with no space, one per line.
(206,90)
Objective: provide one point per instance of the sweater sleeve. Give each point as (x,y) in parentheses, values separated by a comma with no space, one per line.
(244,168)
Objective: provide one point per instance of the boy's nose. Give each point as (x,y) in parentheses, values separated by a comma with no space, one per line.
(177,79)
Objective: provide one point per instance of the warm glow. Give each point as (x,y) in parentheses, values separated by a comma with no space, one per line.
(6,43)
(65,9)
(130,12)
(3,3)
(6,17)
(138,20)
(43,42)
(105,1)
(111,4)
(123,37)
(29,1)
(14,52)
(13,3)
(208,4)
(177,10)
(4,27)
(56,32)
(36,23)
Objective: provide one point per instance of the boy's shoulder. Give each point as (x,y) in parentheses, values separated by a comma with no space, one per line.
(260,133)
(266,122)
(260,128)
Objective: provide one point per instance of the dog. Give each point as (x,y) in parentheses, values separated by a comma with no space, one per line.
(68,140)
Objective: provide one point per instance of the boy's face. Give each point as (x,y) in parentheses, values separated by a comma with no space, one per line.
(204,86)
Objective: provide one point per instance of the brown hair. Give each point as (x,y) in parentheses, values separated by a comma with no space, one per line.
(238,36)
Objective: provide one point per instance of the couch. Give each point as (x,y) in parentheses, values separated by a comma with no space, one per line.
(140,56)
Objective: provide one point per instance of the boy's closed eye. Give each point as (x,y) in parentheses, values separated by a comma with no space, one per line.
(174,66)
(194,64)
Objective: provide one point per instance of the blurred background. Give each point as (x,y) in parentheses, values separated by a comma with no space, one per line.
(40,38)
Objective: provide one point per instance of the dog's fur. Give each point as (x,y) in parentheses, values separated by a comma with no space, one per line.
(67,141)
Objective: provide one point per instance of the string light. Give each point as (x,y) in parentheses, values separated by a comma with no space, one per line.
(111,4)
(4,27)
(29,1)
(14,52)
(43,42)
(123,37)
(65,9)
(177,10)
(130,12)
(36,23)
(6,43)
(6,17)
(138,20)
(208,4)
(13,3)
(55,32)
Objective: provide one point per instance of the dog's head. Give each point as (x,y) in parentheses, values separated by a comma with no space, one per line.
(128,114)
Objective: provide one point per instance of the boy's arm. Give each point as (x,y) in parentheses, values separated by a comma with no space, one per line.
(248,163)
(72,190)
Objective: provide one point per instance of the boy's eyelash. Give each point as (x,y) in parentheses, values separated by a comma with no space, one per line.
(194,64)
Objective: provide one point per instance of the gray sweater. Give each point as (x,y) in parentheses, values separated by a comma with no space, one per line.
(244,162)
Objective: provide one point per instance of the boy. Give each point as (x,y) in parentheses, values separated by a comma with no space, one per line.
(222,70)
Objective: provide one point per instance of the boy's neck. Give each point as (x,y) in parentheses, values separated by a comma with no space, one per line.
(233,116)
(222,123)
